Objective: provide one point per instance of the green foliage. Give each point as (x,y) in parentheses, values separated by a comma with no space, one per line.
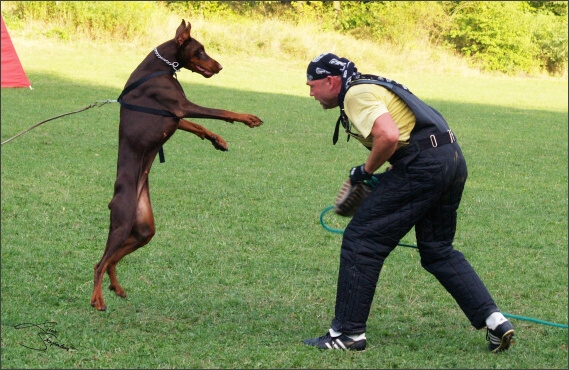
(207,9)
(400,23)
(505,36)
(527,37)
(550,37)
(119,20)
(558,8)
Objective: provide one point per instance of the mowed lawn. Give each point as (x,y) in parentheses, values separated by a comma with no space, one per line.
(240,270)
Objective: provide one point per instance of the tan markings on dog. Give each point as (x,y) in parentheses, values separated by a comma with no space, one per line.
(141,135)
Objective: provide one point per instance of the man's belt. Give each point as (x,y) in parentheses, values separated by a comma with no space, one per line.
(436,140)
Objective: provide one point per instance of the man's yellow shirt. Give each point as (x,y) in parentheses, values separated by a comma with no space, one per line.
(364,103)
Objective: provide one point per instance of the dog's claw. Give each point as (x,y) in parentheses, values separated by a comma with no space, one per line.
(250,120)
(218,143)
(98,306)
(118,291)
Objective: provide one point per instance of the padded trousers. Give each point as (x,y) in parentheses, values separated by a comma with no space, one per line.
(423,189)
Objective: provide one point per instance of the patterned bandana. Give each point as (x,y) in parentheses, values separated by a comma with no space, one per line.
(329,64)
(325,65)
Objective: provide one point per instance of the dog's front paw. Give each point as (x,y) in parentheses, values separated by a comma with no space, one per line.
(218,143)
(251,120)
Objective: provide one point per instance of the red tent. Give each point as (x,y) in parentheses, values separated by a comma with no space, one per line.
(13,74)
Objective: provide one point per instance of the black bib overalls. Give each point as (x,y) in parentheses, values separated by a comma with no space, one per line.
(422,190)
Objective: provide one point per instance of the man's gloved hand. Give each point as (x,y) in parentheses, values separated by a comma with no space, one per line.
(359,174)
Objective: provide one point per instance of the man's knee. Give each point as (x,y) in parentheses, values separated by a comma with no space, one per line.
(433,254)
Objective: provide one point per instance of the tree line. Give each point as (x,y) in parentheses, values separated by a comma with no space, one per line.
(507,36)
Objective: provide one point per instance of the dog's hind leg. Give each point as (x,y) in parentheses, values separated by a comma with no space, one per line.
(123,213)
(142,232)
(97,300)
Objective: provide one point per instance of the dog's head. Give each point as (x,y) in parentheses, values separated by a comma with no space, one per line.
(191,53)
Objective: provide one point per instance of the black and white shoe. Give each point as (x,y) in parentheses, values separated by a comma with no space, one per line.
(500,338)
(342,342)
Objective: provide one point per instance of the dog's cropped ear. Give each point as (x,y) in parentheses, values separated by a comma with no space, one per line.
(183,33)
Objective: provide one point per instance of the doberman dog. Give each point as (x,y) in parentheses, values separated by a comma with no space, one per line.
(153,106)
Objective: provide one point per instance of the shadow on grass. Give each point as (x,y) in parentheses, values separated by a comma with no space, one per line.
(239,261)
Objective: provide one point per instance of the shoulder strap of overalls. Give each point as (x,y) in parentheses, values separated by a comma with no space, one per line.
(361,79)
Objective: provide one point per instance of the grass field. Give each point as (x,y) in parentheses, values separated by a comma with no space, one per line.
(240,270)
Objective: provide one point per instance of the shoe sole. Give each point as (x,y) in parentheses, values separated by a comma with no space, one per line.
(506,342)
(336,344)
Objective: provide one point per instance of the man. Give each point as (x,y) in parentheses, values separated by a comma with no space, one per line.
(422,188)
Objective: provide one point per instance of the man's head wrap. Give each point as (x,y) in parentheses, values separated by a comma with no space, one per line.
(329,64)
(325,65)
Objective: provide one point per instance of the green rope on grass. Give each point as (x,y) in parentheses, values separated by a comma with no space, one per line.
(324,211)
(340,231)
(534,320)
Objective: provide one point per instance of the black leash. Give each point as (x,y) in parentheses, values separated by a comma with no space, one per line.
(120,100)
(96,104)
(137,108)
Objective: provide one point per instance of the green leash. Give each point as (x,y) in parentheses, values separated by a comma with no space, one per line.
(340,231)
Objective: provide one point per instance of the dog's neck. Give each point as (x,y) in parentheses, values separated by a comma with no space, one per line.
(152,64)
(162,57)
(174,65)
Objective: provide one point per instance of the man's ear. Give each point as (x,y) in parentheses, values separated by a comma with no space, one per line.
(330,80)
(334,81)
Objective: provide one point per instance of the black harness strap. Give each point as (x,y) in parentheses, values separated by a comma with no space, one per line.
(359,79)
(134,85)
(424,114)
(337,130)
(137,108)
